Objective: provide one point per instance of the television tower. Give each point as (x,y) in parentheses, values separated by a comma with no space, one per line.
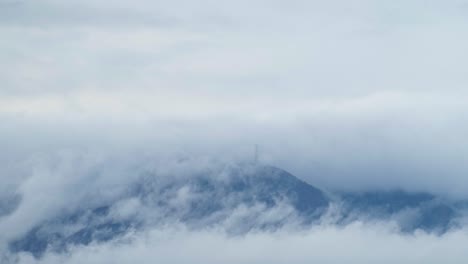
(256,154)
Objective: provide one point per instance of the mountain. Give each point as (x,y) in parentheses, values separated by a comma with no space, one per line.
(237,198)
(240,197)
(411,211)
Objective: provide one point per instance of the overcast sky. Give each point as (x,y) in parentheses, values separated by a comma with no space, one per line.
(345,94)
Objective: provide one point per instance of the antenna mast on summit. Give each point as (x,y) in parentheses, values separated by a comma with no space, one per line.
(256,154)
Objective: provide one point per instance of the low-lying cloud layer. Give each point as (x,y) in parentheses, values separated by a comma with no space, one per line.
(356,243)
(67,182)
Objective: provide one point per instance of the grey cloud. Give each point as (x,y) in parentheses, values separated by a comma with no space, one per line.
(42,14)
(356,243)
(384,141)
(310,49)
(345,95)
(68,181)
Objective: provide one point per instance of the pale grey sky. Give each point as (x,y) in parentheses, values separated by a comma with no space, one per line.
(345,94)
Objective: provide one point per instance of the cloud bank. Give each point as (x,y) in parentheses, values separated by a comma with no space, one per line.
(356,243)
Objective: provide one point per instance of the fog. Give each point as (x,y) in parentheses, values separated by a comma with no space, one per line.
(393,141)
(345,95)
(356,243)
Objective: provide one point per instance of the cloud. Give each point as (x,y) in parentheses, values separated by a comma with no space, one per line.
(386,140)
(69,181)
(346,95)
(356,243)
(302,48)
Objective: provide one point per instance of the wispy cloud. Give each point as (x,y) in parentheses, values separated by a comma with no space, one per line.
(353,244)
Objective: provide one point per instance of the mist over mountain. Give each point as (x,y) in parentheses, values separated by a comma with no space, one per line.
(127,131)
(235,198)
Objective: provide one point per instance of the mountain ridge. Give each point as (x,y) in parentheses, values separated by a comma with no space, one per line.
(239,198)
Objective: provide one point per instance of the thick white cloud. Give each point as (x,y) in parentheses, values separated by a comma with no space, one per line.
(391,140)
(356,243)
